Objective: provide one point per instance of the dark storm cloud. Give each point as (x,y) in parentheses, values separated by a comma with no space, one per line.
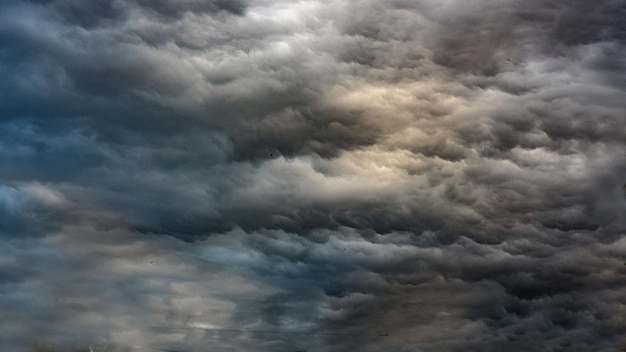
(432,176)
(108,12)
(102,76)
(29,211)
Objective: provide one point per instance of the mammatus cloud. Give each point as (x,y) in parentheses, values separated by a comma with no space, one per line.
(320,176)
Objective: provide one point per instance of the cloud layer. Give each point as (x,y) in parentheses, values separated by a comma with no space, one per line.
(321,176)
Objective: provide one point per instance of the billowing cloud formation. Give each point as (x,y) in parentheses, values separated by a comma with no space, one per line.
(320,176)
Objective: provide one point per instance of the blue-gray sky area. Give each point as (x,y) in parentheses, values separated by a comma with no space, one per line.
(340,175)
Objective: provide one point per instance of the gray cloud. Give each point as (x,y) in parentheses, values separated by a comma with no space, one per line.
(110,12)
(332,176)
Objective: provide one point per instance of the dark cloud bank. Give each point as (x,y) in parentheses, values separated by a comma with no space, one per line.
(321,176)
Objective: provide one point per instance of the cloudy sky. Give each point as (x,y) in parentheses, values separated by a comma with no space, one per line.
(340,175)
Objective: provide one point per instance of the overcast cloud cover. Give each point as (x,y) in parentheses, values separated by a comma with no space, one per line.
(342,175)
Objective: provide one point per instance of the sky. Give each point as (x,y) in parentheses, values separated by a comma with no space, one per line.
(338,175)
